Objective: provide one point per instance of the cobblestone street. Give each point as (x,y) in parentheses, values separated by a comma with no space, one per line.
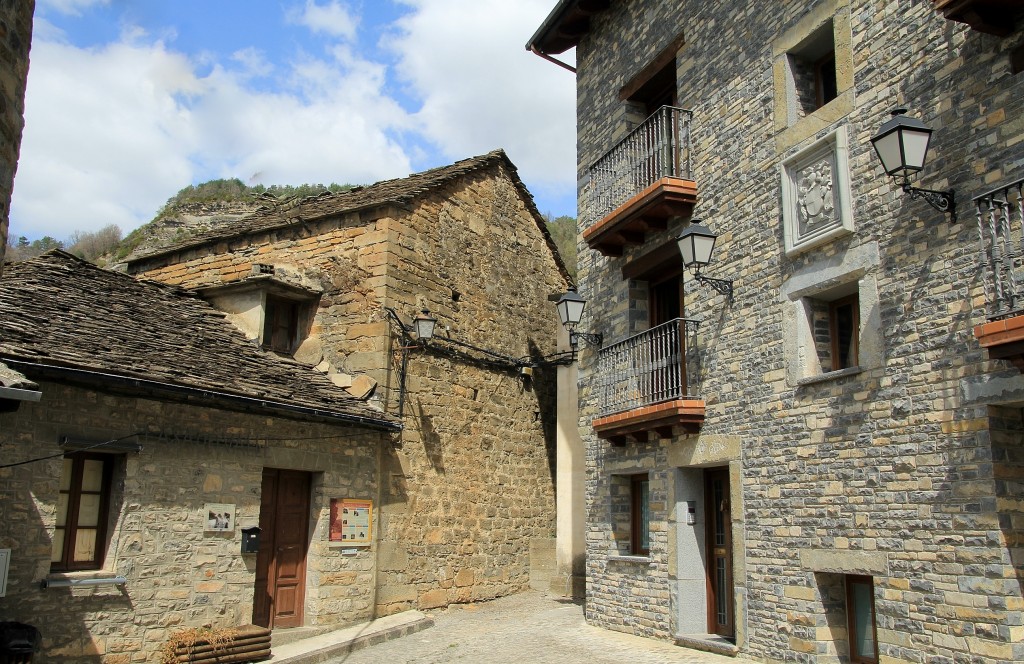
(525,628)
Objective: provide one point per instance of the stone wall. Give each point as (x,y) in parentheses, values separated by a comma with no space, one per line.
(473,481)
(15,40)
(890,464)
(177,575)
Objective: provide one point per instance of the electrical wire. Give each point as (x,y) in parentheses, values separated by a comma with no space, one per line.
(62,454)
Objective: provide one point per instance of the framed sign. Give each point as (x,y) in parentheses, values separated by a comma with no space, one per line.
(219,518)
(351,521)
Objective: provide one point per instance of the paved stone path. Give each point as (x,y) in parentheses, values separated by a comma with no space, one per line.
(524,629)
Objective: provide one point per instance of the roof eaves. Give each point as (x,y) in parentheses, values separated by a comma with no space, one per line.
(455,170)
(209,396)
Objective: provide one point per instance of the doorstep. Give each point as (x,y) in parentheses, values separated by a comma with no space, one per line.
(338,642)
(708,643)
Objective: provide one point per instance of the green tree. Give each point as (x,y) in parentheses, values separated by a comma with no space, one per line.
(563,232)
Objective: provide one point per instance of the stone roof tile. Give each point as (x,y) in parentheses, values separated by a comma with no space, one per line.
(402,191)
(58,312)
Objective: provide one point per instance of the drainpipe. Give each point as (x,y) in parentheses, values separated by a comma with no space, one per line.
(537,51)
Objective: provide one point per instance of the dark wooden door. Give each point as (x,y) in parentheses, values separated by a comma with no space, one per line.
(719,571)
(667,352)
(281,561)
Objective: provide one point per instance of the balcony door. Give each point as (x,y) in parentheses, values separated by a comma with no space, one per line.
(668,368)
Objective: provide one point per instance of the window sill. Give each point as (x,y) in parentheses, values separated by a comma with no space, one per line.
(619,558)
(831,375)
(88,578)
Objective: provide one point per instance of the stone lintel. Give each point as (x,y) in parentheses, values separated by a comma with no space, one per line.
(871,563)
(703,450)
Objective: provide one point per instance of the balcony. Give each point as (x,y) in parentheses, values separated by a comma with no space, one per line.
(995,17)
(1001,231)
(642,384)
(641,184)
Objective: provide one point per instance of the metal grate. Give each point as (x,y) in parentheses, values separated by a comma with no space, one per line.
(658,148)
(645,369)
(1001,235)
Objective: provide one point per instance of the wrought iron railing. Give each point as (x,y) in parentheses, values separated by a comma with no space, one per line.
(647,368)
(658,148)
(1001,234)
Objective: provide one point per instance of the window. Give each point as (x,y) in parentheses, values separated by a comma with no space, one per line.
(835,321)
(832,325)
(79,539)
(640,515)
(812,71)
(860,617)
(654,86)
(844,323)
(281,324)
(812,68)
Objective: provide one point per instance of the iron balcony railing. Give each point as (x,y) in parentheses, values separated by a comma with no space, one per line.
(658,148)
(1001,234)
(647,368)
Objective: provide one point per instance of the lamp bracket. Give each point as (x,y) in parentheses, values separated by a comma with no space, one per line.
(589,339)
(723,286)
(943,201)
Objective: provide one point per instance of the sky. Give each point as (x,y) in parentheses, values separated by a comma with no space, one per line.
(129,101)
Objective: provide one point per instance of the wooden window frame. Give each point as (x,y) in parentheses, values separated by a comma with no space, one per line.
(70,528)
(855,656)
(270,315)
(637,524)
(826,62)
(853,301)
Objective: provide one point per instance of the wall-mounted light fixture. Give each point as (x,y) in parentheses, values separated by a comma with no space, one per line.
(570,312)
(902,147)
(423,326)
(696,244)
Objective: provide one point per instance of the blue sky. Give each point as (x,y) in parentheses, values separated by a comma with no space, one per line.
(128,101)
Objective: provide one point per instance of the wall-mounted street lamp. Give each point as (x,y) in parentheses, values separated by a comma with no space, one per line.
(570,312)
(423,326)
(696,244)
(902,147)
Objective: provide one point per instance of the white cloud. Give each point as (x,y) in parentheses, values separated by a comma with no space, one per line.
(333,19)
(112,133)
(481,89)
(103,137)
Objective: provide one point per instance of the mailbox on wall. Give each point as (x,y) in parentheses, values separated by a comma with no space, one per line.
(251,539)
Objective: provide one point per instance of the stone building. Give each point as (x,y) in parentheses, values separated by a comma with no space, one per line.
(161,434)
(810,450)
(334,280)
(15,40)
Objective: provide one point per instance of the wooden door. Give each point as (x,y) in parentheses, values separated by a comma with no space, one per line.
(281,561)
(719,548)
(668,363)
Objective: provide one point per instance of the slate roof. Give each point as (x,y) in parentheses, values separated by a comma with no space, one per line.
(62,315)
(401,191)
(11,378)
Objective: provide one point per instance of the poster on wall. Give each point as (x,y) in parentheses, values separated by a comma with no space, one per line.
(219,518)
(351,521)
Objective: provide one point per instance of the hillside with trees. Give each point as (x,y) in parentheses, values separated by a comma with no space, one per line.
(200,207)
